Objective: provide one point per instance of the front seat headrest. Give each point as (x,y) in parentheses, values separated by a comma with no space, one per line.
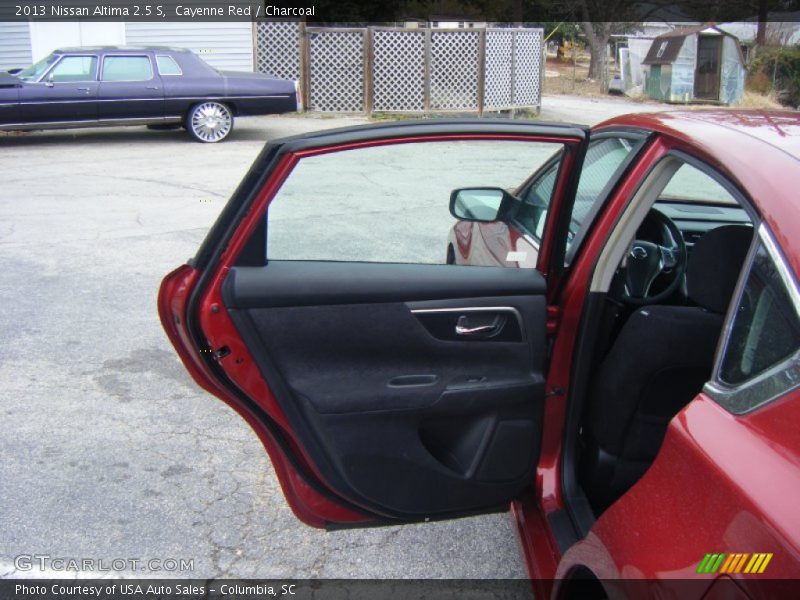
(714,266)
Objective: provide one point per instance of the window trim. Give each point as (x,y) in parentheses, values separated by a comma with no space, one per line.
(61,57)
(148,57)
(175,62)
(775,377)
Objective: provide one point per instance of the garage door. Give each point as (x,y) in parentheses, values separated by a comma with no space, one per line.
(222,45)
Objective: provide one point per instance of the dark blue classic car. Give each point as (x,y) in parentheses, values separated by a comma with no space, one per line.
(159,87)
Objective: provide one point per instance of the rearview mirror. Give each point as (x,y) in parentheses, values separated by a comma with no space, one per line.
(480,204)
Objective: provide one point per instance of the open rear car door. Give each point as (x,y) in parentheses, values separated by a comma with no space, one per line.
(383,392)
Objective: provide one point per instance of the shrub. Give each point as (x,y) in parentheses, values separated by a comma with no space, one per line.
(777,70)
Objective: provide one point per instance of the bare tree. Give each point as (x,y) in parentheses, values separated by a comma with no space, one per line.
(597,35)
(761,32)
(599,19)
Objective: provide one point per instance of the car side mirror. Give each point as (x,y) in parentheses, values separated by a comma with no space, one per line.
(14,71)
(49,81)
(483,205)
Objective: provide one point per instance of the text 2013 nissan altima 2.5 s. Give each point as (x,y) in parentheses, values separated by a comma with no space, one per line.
(633,397)
(155,86)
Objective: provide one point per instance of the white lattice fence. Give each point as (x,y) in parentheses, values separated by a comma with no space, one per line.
(278,50)
(398,70)
(527,67)
(455,66)
(499,69)
(336,69)
(409,70)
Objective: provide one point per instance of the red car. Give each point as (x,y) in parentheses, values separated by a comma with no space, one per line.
(632,397)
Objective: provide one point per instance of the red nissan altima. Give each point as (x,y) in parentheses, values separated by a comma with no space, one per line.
(631,396)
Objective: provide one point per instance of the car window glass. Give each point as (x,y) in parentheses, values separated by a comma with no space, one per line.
(390,203)
(74,68)
(603,159)
(690,184)
(765,328)
(36,70)
(127,68)
(532,213)
(167,66)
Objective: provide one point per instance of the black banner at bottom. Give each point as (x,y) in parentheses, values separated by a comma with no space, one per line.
(391,589)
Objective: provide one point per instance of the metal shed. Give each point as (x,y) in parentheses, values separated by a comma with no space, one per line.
(695,64)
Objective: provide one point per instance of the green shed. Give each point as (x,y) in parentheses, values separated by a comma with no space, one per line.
(695,64)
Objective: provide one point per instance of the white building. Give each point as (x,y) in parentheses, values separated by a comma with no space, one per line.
(225,45)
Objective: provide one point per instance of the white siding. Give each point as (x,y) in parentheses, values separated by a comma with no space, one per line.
(222,45)
(732,72)
(15,45)
(47,36)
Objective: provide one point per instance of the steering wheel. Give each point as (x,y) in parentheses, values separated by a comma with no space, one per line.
(647,260)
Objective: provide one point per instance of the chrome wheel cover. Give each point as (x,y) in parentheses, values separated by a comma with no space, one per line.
(211,121)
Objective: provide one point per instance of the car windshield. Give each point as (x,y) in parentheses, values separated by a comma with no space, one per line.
(35,71)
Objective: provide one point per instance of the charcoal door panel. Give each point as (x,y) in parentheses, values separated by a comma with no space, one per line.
(399,416)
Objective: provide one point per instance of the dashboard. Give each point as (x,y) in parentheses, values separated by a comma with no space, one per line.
(694,219)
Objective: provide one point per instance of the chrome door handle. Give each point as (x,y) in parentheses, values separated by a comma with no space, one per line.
(463,328)
(83,90)
(152,87)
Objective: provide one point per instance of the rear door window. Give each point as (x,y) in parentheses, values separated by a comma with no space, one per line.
(167,65)
(127,68)
(390,203)
(761,352)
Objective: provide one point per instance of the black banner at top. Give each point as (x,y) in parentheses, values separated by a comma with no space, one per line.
(398,12)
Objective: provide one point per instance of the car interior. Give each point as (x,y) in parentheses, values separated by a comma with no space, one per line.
(660,320)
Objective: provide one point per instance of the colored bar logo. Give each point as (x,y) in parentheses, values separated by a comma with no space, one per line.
(737,562)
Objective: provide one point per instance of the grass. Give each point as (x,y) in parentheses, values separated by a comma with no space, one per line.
(752,99)
(564,78)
